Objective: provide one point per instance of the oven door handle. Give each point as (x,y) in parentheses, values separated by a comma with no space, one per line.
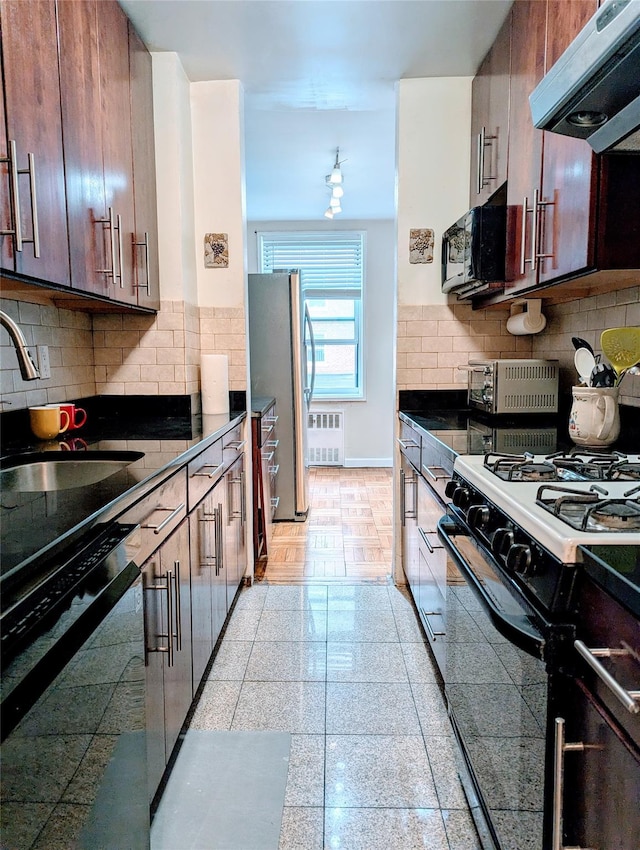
(517,631)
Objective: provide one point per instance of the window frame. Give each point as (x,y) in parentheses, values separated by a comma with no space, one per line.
(351,292)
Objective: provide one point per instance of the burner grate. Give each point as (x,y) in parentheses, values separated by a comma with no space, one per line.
(593,510)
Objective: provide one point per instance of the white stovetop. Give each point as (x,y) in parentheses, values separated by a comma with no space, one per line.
(518,500)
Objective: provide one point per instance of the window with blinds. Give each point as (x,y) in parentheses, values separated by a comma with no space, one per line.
(332,275)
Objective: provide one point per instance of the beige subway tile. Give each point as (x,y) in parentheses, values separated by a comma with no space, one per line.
(409,377)
(139,322)
(28,314)
(586,305)
(437,377)
(179,338)
(453,328)
(141,388)
(180,373)
(146,356)
(170,322)
(238,326)
(101,374)
(225,342)
(401,361)
(409,312)
(168,355)
(438,343)
(238,357)
(465,312)
(77,356)
(171,388)
(207,343)
(14,401)
(451,359)
(472,346)
(49,316)
(606,299)
(112,388)
(409,343)
(485,328)
(55,356)
(125,372)
(107,322)
(421,360)
(36,397)
(438,312)
(157,339)
(177,306)
(627,296)
(157,373)
(633,315)
(122,339)
(614,317)
(425,328)
(207,326)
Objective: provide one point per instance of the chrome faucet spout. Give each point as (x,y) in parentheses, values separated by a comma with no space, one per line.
(28,368)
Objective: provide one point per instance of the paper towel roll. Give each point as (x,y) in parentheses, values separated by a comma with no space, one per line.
(214,383)
(521,324)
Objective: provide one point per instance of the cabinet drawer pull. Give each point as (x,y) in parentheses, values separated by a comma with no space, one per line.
(431,472)
(214,470)
(408,444)
(426,615)
(176,580)
(267,429)
(425,540)
(120,251)
(110,221)
(273,470)
(275,501)
(268,456)
(14,195)
(144,244)
(238,445)
(271,420)
(174,513)
(541,255)
(31,171)
(165,587)
(629,699)
(272,444)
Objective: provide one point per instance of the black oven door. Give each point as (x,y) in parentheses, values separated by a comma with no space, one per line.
(497,689)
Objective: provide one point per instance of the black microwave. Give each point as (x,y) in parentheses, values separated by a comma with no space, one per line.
(473,251)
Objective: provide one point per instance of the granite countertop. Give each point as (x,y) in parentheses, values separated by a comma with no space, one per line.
(260,404)
(164,437)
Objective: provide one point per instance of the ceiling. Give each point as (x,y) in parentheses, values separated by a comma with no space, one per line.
(317,75)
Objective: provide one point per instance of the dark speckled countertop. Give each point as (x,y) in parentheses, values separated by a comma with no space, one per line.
(162,431)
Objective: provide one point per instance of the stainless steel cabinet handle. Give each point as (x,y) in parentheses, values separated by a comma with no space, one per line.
(14,195)
(268,456)
(145,245)
(238,445)
(403,516)
(272,444)
(120,251)
(428,614)
(431,472)
(267,429)
(559,749)
(542,205)
(112,226)
(534,231)
(523,235)
(408,444)
(271,420)
(479,158)
(275,501)
(215,470)
(165,587)
(176,580)
(629,699)
(219,547)
(426,540)
(174,513)
(243,499)
(273,470)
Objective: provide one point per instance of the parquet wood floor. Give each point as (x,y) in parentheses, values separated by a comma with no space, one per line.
(347,536)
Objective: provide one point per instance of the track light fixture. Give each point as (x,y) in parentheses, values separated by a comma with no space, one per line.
(334,182)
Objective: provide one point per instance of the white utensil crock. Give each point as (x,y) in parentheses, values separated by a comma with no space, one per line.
(595,418)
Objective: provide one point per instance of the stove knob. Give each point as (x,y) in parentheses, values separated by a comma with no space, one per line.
(450,488)
(478,517)
(502,541)
(461,497)
(519,559)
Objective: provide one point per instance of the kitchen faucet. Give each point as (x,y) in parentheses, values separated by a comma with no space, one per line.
(28,368)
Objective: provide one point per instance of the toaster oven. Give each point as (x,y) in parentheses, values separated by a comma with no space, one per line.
(513,386)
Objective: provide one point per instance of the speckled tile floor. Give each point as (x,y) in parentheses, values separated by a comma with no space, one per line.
(334,656)
(344,670)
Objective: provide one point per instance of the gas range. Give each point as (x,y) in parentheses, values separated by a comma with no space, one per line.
(534,512)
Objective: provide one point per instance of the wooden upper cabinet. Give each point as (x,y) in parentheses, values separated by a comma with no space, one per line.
(490,119)
(89,236)
(145,241)
(525,142)
(569,167)
(33,129)
(113,44)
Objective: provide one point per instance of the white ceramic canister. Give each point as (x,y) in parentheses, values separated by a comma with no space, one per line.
(595,417)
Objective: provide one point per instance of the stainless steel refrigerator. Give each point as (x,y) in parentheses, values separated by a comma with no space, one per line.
(282,366)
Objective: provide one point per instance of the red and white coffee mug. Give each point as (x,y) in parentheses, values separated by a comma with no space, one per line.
(77,416)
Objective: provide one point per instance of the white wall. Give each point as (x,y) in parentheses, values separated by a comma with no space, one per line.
(368,423)
(217,110)
(433,156)
(174,178)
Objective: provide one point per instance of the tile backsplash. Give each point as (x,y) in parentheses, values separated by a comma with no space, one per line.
(587,319)
(120,354)
(435,340)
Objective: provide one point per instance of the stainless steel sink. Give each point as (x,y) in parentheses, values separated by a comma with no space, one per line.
(44,472)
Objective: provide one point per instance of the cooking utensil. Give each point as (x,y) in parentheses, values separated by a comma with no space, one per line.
(622,348)
(584,362)
(602,375)
(578,342)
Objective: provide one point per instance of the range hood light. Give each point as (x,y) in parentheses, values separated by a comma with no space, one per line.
(588,119)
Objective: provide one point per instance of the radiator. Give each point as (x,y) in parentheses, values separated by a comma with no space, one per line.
(325,438)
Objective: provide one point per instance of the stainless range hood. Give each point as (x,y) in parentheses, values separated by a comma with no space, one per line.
(593,90)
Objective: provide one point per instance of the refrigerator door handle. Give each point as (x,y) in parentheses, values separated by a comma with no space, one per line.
(309,390)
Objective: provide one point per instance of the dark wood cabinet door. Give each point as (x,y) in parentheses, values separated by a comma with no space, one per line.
(6,218)
(33,121)
(145,256)
(490,119)
(178,685)
(113,41)
(569,170)
(525,142)
(89,237)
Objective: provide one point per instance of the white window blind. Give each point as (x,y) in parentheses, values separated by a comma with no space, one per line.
(332,274)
